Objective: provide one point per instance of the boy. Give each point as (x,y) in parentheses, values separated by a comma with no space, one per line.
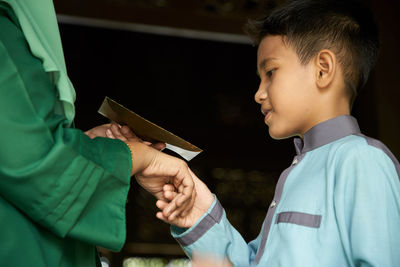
(338,204)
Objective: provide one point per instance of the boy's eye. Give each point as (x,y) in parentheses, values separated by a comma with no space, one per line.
(270,72)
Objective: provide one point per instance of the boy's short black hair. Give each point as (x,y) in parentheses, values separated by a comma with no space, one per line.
(345,27)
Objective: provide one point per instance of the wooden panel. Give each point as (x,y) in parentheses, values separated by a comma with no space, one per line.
(207,15)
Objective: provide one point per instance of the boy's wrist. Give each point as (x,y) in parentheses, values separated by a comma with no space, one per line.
(201,211)
(199,223)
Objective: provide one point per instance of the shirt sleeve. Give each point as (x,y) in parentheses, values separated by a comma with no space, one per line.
(57,176)
(214,235)
(367,207)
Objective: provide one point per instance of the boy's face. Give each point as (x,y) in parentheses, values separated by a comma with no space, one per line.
(287,91)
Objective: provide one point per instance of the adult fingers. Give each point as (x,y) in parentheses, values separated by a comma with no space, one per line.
(159,146)
(183,181)
(90,134)
(116,132)
(191,204)
(128,133)
(109,134)
(186,186)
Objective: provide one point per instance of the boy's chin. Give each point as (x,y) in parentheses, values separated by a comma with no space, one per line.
(279,135)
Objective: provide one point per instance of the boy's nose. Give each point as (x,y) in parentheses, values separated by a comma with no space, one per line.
(260,95)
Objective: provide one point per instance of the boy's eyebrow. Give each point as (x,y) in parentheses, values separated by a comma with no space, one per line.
(263,63)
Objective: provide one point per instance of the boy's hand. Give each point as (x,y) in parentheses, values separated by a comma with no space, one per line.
(209,261)
(202,202)
(154,169)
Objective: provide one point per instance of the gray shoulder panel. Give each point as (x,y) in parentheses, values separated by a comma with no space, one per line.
(203,226)
(378,144)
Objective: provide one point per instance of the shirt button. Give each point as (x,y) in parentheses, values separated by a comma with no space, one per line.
(273,204)
(295,161)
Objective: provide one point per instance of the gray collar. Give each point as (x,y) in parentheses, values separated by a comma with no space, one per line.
(327,132)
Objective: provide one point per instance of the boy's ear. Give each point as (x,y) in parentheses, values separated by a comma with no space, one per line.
(325,63)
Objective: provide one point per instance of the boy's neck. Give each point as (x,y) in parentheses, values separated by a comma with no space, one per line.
(329,111)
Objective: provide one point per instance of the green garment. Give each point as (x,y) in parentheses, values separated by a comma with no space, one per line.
(38,22)
(61,193)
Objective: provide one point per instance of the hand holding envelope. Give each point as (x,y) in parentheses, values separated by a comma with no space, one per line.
(154,169)
(147,130)
(170,193)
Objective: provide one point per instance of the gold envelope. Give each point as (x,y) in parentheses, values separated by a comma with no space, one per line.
(143,128)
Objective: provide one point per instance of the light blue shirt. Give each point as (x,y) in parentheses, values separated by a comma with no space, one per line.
(338,204)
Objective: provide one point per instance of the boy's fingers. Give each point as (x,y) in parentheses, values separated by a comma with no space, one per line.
(169,187)
(172,207)
(169,208)
(173,215)
(169,192)
(172,211)
(161,204)
(170,195)
(182,180)
(160,216)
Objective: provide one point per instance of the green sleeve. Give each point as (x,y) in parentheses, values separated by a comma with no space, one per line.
(57,176)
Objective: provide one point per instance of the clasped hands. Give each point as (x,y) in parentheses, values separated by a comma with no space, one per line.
(181,196)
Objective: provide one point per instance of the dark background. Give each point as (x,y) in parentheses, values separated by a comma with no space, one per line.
(202,90)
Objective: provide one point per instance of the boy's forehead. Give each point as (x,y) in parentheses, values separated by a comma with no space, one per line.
(274,47)
(270,45)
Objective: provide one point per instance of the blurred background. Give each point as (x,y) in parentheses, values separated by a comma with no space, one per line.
(187,66)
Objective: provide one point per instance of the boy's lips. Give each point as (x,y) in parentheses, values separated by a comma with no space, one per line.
(266,112)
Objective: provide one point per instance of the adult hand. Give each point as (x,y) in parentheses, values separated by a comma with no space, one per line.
(98,131)
(202,202)
(154,169)
(124,133)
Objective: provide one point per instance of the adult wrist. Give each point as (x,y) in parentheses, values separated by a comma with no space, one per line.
(141,156)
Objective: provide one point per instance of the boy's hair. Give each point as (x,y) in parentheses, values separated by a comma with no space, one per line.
(346,27)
